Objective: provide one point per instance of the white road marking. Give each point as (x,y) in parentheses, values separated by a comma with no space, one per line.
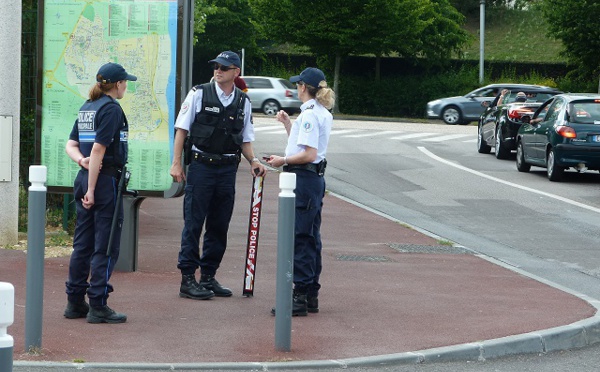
(372,133)
(446,137)
(413,135)
(517,186)
(344,131)
(270,127)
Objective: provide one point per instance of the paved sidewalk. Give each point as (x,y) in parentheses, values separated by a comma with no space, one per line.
(390,294)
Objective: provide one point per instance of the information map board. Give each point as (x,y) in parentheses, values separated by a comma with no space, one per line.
(79,37)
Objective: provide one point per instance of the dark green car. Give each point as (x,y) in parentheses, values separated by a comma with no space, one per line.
(563,133)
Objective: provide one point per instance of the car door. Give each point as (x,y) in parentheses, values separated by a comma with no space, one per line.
(472,108)
(488,124)
(527,132)
(540,133)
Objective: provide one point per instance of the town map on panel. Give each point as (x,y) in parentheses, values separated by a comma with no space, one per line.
(79,37)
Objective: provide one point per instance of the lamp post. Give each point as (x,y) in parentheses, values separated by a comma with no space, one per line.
(481,38)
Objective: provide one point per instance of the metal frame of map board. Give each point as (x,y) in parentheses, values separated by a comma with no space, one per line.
(181,82)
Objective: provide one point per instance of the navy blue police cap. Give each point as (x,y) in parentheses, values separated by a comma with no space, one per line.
(311,76)
(227,58)
(113,72)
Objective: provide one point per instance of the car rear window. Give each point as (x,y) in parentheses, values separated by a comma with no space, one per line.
(585,112)
(286,84)
(254,83)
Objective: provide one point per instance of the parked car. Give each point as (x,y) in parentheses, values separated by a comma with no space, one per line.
(499,123)
(564,132)
(467,108)
(270,94)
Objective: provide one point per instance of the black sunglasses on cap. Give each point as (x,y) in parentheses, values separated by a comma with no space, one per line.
(223,68)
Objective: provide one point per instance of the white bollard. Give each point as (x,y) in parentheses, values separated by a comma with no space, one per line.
(7,317)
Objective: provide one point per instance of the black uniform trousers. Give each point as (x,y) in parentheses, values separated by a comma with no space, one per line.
(90,241)
(310,190)
(209,200)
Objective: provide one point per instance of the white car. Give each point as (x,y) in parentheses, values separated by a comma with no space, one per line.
(270,94)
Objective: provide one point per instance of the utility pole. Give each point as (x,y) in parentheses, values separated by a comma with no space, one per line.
(481,38)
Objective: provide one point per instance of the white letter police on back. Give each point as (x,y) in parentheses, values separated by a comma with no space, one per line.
(86,120)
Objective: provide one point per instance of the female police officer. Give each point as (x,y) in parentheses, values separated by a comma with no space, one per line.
(305,154)
(98,143)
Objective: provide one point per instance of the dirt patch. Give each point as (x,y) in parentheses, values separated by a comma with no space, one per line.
(58,243)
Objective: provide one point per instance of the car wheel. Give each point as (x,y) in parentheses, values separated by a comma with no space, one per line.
(482,146)
(451,115)
(270,107)
(555,173)
(500,151)
(522,166)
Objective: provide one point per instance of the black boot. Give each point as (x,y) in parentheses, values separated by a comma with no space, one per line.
(312,304)
(209,282)
(104,314)
(299,305)
(191,289)
(76,310)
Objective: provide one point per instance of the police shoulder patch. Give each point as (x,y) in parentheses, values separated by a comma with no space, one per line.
(307,126)
(185,107)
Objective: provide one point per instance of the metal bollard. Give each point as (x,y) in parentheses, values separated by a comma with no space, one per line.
(285,261)
(7,317)
(36,223)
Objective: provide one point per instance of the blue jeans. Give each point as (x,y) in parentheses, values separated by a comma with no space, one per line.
(310,190)
(209,198)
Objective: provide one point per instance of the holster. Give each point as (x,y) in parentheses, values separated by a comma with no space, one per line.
(187,151)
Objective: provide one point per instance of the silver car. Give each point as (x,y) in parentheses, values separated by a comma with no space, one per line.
(467,108)
(270,94)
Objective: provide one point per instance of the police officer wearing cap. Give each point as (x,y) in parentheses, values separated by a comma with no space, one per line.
(218,118)
(308,137)
(98,144)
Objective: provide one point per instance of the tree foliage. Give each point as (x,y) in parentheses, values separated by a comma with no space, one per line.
(202,9)
(409,28)
(575,23)
(227,27)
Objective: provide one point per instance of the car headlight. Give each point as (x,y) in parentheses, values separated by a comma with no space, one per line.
(434,103)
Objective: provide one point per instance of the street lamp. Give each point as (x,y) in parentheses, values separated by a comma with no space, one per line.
(481,37)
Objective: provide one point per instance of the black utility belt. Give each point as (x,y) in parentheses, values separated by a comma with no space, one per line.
(215,159)
(318,168)
(108,171)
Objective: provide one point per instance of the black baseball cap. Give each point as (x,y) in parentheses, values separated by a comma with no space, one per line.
(227,58)
(113,72)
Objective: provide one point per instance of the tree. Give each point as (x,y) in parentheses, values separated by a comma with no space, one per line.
(227,27)
(443,33)
(390,27)
(202,9)
(576,25)
(342,27)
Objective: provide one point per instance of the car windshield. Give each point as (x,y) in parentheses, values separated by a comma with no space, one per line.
(584,112)
(530,97)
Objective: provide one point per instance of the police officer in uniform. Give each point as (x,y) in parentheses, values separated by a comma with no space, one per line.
(98,143)
(218,118)
(308,137)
